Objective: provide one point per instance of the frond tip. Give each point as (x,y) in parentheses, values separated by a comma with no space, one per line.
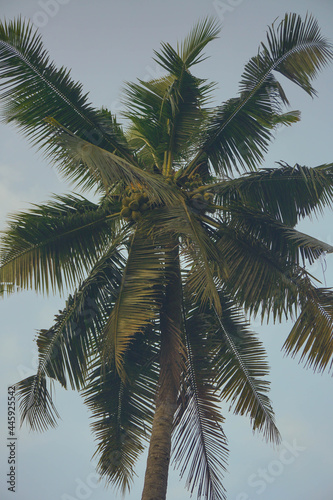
(298,49)
(311,336)
(36,403)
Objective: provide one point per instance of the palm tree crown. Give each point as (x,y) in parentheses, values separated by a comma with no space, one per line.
(186,235)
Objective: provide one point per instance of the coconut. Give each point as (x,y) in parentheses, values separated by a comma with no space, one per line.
(209,197)
(126,212)
(139,198)
(134,205)
(198,196)
(126,201)
(136,215)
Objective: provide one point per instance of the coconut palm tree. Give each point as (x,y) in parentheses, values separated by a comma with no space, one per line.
(186,234)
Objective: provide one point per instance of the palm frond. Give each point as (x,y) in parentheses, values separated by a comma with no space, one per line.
(204,257)
(167,115)
(200,35)
(139,297)
(64,349)
(240,365)
(199,443)
(35,403)
(149,110)
(198,251)
(241,129)
(33,89)
(258,279)
(189,51)
(312,333)
(296,49)
(181,97)
(123,412)
(287,193)
(189,115)
(107,168)
(55,244)
(289,244)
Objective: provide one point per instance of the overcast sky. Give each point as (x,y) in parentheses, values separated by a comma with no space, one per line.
(107,43)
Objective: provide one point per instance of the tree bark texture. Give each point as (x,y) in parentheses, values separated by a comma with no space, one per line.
(156,477)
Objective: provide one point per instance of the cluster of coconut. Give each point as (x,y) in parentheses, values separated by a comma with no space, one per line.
(202,201)
(199,200)
(134,203)
(193,183)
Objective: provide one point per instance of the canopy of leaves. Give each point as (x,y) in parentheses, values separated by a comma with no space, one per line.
(182,196)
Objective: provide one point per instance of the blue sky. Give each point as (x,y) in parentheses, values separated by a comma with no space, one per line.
(106,43)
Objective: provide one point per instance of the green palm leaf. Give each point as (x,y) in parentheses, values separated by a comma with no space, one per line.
(107,168)
(241,129)
(149,111)
(198,251)
(259,279)
(33,89)
(286,193)
(139,298)
(311,335)
(189,95)
(296,49)
(167,116)
(54,245)
(39,412)
(181,96)
(200,35)
(240,365)
(204,256)
(123,412)
(65,349)
(199,443)
(288,243)
(189,51)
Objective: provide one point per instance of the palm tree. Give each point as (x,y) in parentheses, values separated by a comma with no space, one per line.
(186,233)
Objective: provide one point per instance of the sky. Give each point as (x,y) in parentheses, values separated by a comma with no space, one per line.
(107,43)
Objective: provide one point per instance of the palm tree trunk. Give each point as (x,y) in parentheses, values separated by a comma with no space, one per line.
(156,477)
